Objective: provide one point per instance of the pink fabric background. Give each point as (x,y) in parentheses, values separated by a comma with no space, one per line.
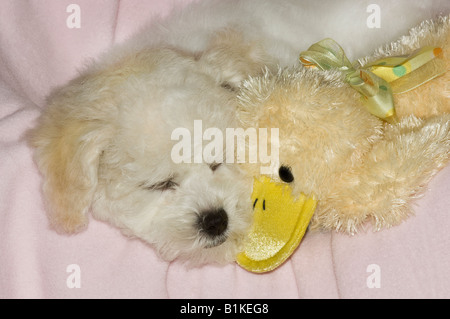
(37,52)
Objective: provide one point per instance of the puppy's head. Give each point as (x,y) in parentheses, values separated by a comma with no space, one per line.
(164,178)
(130,140)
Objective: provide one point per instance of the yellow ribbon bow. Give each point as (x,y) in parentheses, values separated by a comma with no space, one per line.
(377,81)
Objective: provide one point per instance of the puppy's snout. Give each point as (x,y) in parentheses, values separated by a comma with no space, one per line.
(213,222)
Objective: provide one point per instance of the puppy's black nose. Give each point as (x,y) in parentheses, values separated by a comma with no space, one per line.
(213,222)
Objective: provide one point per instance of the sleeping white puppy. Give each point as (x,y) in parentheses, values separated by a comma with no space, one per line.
(105,142)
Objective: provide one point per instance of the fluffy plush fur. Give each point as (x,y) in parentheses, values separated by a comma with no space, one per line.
(358,166)
(103,143)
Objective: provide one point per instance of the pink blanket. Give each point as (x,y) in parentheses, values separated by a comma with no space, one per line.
(38,50)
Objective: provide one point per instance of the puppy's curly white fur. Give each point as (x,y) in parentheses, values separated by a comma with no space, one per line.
(105,141)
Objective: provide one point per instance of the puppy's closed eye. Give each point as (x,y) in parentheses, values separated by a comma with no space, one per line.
(168,184)
(228,86)
(214,166)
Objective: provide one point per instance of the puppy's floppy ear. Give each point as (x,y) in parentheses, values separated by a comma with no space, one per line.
(70,136)
(230,58)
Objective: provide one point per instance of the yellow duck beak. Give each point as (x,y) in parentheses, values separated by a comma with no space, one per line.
(280,222)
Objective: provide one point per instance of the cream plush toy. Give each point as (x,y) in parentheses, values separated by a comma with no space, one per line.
(355,166)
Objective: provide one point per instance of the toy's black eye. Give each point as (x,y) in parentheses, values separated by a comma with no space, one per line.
(286,174)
